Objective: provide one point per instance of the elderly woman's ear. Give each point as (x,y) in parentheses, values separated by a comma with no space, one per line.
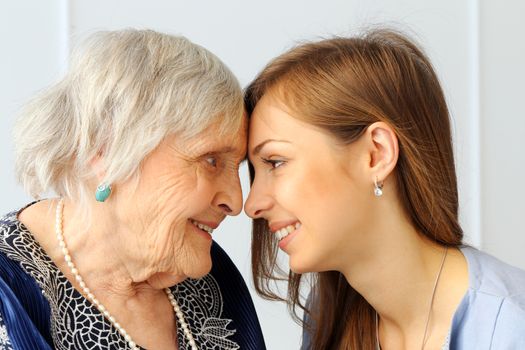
(96,164)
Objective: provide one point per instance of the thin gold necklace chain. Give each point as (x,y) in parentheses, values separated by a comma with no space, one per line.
(436,282)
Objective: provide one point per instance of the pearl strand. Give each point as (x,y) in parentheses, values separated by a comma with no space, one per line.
(180,317)
(94,300)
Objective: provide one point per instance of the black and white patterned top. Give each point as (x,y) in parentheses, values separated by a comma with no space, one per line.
(4,338)
(77,324)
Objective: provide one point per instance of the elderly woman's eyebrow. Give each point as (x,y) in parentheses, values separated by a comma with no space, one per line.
(228,150)
(224,150)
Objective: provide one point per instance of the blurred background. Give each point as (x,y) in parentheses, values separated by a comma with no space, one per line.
(477,47)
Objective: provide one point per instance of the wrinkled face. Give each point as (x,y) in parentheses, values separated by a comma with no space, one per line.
(309,188)
(185,190)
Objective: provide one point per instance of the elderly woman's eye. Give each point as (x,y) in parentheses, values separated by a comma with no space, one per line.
(212,161)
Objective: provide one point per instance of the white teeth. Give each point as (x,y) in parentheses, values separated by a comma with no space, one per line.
(202,226)
(285,231)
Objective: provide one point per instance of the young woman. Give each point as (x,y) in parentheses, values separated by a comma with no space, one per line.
(353,177)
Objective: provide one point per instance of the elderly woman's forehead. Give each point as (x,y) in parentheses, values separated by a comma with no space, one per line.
(211,140)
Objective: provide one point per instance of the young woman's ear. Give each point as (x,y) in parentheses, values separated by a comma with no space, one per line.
(384,151)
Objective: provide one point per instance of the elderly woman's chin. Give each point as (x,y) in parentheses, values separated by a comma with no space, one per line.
(197,262)
(202,265)
(200,269)
(188,257)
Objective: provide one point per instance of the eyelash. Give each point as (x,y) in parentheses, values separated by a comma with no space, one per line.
(273,163)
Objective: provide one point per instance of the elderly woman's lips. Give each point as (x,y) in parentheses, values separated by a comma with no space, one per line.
(205,229)
(202,226)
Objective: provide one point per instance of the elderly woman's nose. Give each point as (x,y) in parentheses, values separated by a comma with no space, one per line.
(257,203)
(229,198)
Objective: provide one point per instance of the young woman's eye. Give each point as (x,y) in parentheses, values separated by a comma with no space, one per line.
(274,163)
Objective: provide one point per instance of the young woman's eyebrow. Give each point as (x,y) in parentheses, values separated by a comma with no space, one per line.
(257,149)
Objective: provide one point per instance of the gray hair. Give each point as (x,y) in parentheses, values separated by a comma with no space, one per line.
(124,92)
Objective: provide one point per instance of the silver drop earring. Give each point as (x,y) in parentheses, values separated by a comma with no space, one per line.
(378,188)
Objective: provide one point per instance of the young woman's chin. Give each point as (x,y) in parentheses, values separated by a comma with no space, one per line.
(301,265)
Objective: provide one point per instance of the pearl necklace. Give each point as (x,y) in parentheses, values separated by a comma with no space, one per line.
(94,300)
(423,343)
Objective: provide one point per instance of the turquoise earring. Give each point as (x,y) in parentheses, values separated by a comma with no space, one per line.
(103,192)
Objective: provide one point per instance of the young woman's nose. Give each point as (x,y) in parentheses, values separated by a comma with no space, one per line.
(257,203)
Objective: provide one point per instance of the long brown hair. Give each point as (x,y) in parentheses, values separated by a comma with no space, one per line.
(343,85)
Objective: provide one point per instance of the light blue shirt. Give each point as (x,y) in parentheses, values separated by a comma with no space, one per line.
(492,312)
(491,315)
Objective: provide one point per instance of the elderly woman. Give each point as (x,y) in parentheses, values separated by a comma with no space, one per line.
(142,141)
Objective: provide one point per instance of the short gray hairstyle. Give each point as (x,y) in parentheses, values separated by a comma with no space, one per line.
(124,92)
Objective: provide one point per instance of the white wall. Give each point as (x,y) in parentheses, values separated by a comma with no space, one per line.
(32,56)
(502,96)
(482,83)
